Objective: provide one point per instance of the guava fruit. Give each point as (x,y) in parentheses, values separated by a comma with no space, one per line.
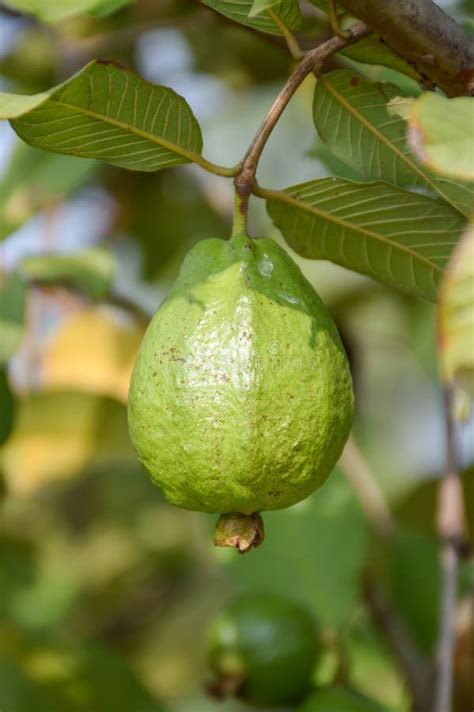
(339,699)
(262,649)
(241,397)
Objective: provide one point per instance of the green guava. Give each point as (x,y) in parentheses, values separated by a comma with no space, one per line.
(339,699)
(262,649)
(241,397)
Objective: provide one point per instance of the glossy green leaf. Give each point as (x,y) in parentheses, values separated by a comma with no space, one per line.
(456,315)
(34,180)
(241,11)
(90,270)
(108,112)
(397,237)
(353,116)
(441,134)
(13,292)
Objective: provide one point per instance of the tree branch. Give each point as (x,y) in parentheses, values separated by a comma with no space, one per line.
(451,528)
(423,34)
(245,180)
(415,667)
(417,670)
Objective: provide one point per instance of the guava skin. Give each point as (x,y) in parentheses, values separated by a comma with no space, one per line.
(241,397)
(268,644)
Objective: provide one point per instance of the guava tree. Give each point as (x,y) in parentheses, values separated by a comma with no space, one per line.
(396,207)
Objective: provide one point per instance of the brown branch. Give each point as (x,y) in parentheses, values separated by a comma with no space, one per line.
(451,528)
(245,180)
(417,670)
(415,667)
(423,34)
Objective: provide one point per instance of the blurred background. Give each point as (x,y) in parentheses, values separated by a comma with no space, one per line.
(106,591)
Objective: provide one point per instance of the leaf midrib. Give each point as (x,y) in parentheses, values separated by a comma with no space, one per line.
(172,147)
(277,195)
(373,129)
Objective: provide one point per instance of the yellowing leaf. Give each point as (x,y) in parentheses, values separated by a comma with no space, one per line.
(94,351)
(456,315)
(441,134)
(57,435)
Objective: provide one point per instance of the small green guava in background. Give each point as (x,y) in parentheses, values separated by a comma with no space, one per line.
(263,650)
(241,397)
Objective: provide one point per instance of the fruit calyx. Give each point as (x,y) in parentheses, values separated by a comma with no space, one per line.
(240,531)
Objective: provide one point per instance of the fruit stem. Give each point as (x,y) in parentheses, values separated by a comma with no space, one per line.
(240,531)
(239,223)
(245,180)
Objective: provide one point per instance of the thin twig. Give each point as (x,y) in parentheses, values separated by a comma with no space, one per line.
(451,530)
(291,41)
(334,19)
(358,473)
(245,180)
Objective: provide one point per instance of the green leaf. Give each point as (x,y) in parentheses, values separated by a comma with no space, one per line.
(400,238)
(353,116)
(456,315)
(35,179)
(13,291)
(241,11)
(104,8)
(373,50)
(323,5)
(259,6)
(91,270)
(58,10)
(441,134)
(7,406)
(108,112)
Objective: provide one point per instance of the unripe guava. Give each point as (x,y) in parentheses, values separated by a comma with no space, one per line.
(241,397)
(263,649)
